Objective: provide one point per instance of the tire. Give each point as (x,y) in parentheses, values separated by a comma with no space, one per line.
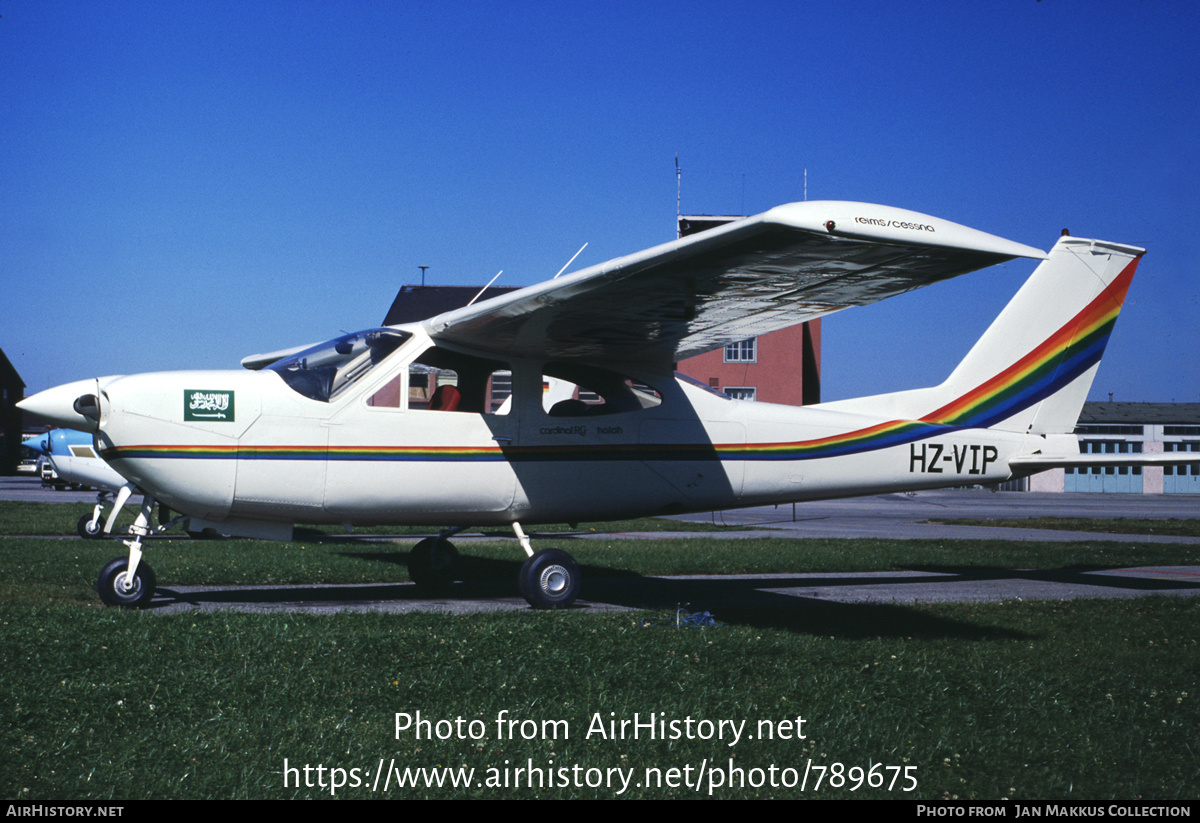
(550,579)
(107,584)
(432,563)
(89,529)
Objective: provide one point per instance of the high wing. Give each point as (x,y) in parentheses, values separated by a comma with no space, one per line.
(793,263)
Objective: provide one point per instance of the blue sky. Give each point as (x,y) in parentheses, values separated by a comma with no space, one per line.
(185,184)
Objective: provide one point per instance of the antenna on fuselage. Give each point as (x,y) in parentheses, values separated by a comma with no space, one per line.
(422,268)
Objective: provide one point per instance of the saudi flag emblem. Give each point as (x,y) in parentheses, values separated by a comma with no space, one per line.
(202,404)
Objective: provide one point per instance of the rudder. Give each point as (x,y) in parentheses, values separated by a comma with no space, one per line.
(1069,304)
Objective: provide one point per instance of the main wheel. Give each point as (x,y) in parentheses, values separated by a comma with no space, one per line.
(432,562)
(111,584)
(90,529)
(550,579)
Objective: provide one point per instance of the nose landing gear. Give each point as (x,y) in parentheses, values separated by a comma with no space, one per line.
(117,587)
(95,526)
(127,581)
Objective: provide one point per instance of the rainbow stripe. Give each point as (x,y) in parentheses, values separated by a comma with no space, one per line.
(1047,368)
(1061,358)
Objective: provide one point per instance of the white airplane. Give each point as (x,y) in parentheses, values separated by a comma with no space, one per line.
(398,425)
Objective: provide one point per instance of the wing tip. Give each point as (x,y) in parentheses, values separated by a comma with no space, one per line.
(872,221)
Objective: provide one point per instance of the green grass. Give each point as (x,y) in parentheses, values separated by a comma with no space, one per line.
(33,569)
(1115,525)
(1075,700)
(1087,700)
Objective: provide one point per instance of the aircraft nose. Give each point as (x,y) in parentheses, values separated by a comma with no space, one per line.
(71,405)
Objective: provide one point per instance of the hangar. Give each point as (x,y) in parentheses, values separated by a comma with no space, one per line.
(1131,428)
(12,390)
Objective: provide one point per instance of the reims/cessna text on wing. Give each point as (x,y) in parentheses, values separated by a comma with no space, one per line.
(398,426)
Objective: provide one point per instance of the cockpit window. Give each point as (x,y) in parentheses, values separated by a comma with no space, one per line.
(324,371)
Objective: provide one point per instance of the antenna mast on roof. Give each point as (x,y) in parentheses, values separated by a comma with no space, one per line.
(422,268)
(678,188)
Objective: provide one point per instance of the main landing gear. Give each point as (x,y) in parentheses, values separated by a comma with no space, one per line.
(549,578)
(431,563)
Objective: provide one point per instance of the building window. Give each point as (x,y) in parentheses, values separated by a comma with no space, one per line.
(741,392)
(1108,447)
(743,352)
(1186,469)
(1105,429)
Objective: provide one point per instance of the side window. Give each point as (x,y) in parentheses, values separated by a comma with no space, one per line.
(433,389)
(441,380)
(389,396)
(576,391)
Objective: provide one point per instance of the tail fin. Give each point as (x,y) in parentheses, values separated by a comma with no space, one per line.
(1031,370)
(1033,367)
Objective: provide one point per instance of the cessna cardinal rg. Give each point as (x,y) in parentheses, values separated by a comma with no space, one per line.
(399,425)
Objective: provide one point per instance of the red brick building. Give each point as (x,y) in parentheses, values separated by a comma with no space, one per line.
(780,367)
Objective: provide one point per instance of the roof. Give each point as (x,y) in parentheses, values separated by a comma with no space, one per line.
(416,303)
(8,372)
(696,223)
(1140,413)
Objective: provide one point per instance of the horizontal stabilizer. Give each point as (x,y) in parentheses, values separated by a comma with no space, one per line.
(1028,464)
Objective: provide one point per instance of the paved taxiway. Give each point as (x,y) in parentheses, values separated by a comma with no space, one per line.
(893,516)
(722,595)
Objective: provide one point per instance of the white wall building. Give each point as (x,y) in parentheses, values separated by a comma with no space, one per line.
(1131,428)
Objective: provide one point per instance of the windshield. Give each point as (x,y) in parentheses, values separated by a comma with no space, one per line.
(326,370)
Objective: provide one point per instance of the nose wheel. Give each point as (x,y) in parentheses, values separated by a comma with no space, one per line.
(90,527)
(119,588)
(95,525)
